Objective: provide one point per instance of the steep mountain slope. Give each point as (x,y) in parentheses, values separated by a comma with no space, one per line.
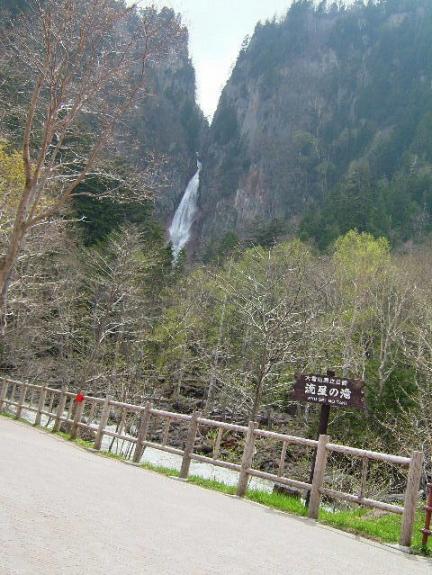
(169,124)
(165,128)
(322,114)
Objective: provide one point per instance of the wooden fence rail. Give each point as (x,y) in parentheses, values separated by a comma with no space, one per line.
(57,408)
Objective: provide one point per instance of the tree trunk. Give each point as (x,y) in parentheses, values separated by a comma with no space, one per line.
(257,399)
(7,265)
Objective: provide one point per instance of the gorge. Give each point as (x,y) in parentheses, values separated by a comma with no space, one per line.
(325,125)
(305,225)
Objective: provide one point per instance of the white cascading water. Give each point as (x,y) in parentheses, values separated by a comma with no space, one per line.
(180,228)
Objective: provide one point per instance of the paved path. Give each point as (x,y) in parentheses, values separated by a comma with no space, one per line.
(65,511)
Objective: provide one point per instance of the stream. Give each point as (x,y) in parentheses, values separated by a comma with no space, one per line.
(163,459)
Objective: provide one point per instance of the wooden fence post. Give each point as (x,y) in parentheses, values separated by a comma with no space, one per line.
(41,405)
(21,401)
(190,442)
(318,477)
(411,498)
(246,462)
(3,392)
(12,395)
(70,412)
(142,432)
(102,423)
(427,528)
(60,409)
(79,408)
(282,459)
(217,445)
(166,431)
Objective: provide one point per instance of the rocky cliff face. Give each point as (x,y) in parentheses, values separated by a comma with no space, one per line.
(168,125)
(310,98)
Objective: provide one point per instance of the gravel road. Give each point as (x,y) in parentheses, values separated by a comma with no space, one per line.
(66,511)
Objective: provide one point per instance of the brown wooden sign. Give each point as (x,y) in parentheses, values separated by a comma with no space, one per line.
(328,390)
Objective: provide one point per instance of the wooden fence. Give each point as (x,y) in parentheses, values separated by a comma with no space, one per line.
(428,518)
(93,414)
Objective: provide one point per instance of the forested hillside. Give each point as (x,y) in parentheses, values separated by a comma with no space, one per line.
(156,143)
(325,125)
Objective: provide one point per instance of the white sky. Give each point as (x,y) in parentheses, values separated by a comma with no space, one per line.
(217,29)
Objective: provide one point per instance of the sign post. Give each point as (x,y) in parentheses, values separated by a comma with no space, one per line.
(328,391)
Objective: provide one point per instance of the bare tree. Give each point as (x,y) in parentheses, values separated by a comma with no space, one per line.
(271,308)
(45,307)
(117,313)
(84,65)
(414,426)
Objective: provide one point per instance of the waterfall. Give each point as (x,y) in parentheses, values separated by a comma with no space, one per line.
(179,231)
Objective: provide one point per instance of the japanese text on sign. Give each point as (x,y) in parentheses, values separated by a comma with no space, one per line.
(335,391)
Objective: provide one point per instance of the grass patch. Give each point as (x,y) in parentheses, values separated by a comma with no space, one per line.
(212,484)
(274,500)
(61,434)
(168,471)
(83,442)
(384,528)
(278,501)
(10,415)
(109,454)
(67,437)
